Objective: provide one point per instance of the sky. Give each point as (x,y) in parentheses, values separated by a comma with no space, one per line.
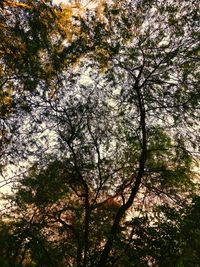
(58,1)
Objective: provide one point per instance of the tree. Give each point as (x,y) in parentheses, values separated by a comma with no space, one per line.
(173,239)
(108,137)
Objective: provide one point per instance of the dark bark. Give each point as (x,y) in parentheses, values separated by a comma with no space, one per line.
(86,234)
(143,157)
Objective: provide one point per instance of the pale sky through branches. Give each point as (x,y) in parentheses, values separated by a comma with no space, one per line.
(58,1)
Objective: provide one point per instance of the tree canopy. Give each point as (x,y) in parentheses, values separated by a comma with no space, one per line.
(100,127)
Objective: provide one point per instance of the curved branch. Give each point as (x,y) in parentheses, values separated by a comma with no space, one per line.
(143,157)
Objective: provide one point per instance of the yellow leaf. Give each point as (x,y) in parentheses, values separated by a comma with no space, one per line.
(6,100)
(16,4)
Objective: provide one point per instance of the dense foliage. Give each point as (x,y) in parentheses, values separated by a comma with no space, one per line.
(99,125)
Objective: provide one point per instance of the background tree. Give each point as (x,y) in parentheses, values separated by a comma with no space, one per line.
(108,138)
